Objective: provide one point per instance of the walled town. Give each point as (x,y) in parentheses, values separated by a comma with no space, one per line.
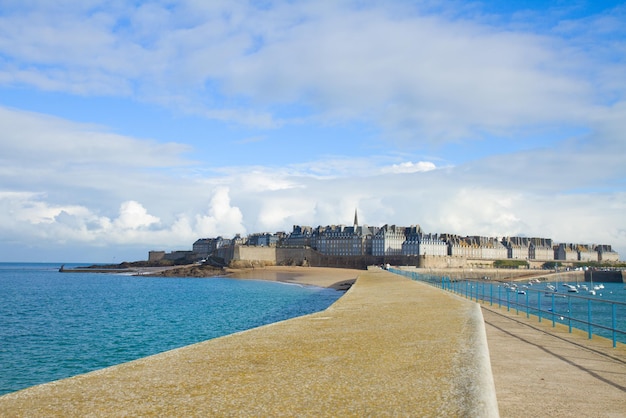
(362,245)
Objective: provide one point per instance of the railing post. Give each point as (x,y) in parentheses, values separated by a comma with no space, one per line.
(527,303)
(589,317)
(508,301)
(569,314)
(539,306)
(490,294)
(553,313)
(613,324)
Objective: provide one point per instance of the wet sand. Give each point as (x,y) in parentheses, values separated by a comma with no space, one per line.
(336,278)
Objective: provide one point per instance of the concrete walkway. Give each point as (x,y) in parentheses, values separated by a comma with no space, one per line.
(544,371)
(389,347)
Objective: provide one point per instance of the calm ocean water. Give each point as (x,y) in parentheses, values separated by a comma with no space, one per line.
(605,310)
(55,325)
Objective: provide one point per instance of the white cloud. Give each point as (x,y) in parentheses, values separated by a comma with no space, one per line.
(415,74)
(222,218)
(134,216)
(438,200)
(62,144)
(410,167)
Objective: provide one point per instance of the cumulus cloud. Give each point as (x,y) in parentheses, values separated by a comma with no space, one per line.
(222,218)
(134,216)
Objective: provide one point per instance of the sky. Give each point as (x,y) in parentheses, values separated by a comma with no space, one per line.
(127,127)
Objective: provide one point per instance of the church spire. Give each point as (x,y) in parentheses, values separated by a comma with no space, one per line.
(356,219)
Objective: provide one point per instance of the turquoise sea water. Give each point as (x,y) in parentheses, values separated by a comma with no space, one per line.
(55,325)
(602,313)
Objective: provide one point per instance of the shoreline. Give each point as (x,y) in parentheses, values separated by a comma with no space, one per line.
(328,277)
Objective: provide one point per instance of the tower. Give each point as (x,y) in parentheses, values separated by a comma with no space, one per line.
(356,219)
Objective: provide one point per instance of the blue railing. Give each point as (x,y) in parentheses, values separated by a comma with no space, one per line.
(602,317)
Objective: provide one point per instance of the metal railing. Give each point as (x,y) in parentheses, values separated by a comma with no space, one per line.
(597,316)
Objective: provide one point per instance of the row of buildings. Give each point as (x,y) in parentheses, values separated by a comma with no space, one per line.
(392,240)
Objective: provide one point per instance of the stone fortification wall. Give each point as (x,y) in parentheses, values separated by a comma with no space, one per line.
(501,275)
(441,262)
(297,256)
(605,276)
(265,256)
(306,256)
(156,255)
(248,256)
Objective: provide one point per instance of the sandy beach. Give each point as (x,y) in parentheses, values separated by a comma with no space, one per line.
(336,278)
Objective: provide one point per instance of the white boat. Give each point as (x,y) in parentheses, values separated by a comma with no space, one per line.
(570,288)
(593,289)
(510,287)
(550,290)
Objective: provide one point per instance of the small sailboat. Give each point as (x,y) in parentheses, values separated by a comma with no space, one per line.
(550,290)
(592,290)
(571,288)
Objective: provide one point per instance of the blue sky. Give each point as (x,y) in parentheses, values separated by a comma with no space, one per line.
(128,127)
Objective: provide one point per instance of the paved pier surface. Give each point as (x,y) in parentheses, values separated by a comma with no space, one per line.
(544,371)
(389,347)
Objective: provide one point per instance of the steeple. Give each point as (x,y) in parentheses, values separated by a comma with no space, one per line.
(356,219)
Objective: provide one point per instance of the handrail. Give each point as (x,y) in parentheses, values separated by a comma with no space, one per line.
(574,310)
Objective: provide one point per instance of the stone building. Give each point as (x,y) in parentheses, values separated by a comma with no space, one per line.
(418,243)
(606,253)
(388,240)
(586,253)
(204,247)
(463,247)
(341,240)
(300,236)
(263,239)
(517,247)
(566,252)
(541,249)
(491,248)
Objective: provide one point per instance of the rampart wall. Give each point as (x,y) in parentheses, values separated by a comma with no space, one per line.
(605,276)
(254,254)
(458,266)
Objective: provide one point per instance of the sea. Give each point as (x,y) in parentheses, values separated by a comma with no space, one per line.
(55,325)
(599,311)
(578,305)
